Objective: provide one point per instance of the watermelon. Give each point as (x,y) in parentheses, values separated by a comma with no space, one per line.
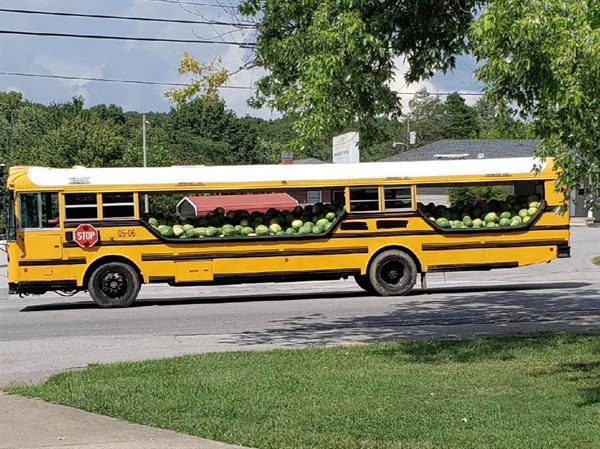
(531,211)
(190,233)
(261,230)
(211,231)
(275,228)
(330,216)
(291,231)
(229,231)
(178,230)
(505,214)
(317,229)
(322,222)
(247,230)
(309,224)
(477,223)
(467,221)
(505,222)
(523,213)
(442,222)
(491,217)
(297,224)
(153,222)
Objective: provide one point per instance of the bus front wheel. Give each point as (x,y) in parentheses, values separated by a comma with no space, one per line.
(362,280)
(393,273)
(114,284)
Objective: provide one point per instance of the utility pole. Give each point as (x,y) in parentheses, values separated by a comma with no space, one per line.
(145,156)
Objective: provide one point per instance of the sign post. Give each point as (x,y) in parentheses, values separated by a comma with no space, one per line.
(345,148)
(85,235)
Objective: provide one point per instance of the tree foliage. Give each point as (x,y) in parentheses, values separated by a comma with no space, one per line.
(434,119)
(330,61)
(544,55)
(207,77)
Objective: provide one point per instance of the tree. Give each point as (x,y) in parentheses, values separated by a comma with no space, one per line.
(330,61)
(544,55)
(498,121)
(460,120)
(207,78)
(426,117)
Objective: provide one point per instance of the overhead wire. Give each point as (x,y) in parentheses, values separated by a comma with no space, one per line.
(111,80)
(171,84)
(177,2)
(126,38)
(140,19)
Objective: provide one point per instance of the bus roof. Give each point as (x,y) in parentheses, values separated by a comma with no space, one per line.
(280,176)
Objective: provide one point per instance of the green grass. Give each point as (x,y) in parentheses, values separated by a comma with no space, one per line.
(540,391)
(596,260)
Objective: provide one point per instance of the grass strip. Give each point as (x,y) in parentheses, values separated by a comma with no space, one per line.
(536,391)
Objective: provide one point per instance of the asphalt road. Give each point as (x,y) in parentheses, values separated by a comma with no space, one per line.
(43,335)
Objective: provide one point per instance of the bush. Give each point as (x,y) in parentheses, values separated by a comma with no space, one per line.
(476,194)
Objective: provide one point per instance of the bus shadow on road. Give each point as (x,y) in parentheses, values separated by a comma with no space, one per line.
(466,312)
(299,296)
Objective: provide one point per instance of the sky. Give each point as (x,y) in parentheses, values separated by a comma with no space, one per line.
(147,61)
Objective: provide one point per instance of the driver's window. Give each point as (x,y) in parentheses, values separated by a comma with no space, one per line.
(29,210)
(38,210)
(50,217)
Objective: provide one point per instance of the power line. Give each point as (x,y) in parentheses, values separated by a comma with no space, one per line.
(443,94)
(177,2)
(126,38)
(110,80)
(164,83)
(141,19)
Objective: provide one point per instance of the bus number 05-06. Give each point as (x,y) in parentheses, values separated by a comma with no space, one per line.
(126,233)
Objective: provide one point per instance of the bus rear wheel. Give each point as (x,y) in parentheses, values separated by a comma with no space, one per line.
(393,273)
(114,284)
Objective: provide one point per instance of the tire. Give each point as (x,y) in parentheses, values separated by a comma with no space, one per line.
(114,284)
(393,273)
(363,282)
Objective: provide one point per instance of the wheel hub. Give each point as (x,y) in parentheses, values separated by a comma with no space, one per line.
(392,272)
(114,284)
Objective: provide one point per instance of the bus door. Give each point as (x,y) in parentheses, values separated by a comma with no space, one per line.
(38,227)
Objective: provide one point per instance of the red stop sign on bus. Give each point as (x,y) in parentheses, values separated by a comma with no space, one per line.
(85,235)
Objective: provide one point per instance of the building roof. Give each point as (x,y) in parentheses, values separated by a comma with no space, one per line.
(469,149)
(260,202)
(263,176)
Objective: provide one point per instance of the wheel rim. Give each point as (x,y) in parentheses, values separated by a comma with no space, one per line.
(114,284)
(392,272)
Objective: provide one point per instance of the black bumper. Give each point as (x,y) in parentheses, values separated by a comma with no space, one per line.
(40,287)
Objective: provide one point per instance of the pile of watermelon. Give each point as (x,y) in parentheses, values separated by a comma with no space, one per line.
(515,211)
(312,219)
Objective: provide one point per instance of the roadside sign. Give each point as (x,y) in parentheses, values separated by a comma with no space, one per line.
(85,235)
(345,148)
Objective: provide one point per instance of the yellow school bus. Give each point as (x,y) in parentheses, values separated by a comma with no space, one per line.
(83,229)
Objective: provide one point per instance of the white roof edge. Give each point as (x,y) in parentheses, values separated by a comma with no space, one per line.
(198,175)
(185,198)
